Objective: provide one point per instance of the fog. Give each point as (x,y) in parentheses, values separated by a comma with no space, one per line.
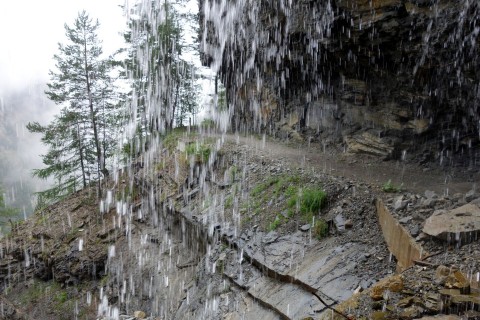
(19,149)
(30,31)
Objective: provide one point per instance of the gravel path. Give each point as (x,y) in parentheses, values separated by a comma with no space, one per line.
(368,169)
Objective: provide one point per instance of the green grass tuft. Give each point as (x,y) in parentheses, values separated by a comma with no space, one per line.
(312,200)
(391,188)
(200,151)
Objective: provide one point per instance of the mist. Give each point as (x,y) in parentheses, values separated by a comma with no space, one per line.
(20,150)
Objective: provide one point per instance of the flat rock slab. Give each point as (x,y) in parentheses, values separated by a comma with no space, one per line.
(460,224)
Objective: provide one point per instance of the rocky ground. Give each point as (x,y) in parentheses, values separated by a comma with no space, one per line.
(193,232)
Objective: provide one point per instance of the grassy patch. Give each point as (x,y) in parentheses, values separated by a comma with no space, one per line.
(170,141)
(61,297)
(259,188)
(50,296)
(200,151)
(312,200)
(286,194)
(391,188)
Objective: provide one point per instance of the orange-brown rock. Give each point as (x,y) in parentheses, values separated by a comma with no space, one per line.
(393,284)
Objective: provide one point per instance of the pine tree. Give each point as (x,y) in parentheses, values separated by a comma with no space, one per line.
(66,160)
(159,73)
(81,137)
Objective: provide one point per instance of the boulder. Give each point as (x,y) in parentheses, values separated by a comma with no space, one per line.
(457,225)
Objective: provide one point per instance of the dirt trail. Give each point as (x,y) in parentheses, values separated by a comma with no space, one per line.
(364,168)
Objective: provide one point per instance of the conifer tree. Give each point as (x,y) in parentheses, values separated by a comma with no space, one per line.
(159,73)
(81,137)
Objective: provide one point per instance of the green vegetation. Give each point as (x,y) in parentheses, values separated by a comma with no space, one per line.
(61,297)
(276,223)
(312,200)
(233,172)
(207,123)
(49,294)
(82,137)
(290,195)
(391,188)
(34,292)
(157,30)
(200,151)
(259,188)
(320,229)
(7,214)
(170,140)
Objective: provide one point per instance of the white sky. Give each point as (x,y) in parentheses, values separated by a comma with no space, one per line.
(30,31)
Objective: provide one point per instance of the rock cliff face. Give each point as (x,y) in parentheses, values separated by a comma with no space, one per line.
(381,76)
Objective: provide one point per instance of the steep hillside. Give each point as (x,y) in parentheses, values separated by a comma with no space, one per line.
(210,227)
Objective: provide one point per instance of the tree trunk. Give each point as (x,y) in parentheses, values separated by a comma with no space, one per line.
(94,122)
(175,107)
(80,150)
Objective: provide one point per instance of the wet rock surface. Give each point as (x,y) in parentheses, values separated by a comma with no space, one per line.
(461,224)
(288,270)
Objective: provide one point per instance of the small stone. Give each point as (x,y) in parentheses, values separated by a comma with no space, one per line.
(405,220)
(458,280)
(393,284)
(400,204)
(471,195)
(430,194)
(339,222)
(415,230)
(348,224)
(379,315)
(139,315)
(429,203)
(305,227)
(405,302)
(411,313)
